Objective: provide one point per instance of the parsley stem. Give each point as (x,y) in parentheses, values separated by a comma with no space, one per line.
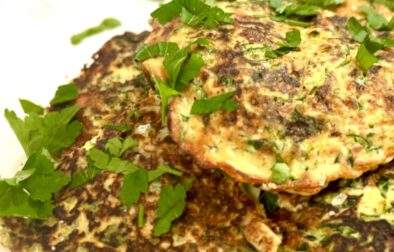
(141,210)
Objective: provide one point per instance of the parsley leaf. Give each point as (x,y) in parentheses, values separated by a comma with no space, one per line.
(116,147)
(270,201)
(213,104)
(293,39)
(145,52)
(280,172)
(106,24)
(189,70)
(65,93)
(171,205)
(53,131)
(29,193)
(365,54)
(106,162)
(84,176)
(358,32)
(30,107)
(375,20)
(193,13)
(162,169)
(133,185)
(181,67)
(297,12)
(165,93)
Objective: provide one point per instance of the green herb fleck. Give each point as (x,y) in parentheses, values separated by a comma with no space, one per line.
(106,24)
(270,201)
(293,40)
(213,104)
(141,221)
(162,169)
(65,93)
(280,172)
(133,185)
(30,107)
(170,206)
(358,32)
(375,20)
(29,193)
(53,131)
(193,13)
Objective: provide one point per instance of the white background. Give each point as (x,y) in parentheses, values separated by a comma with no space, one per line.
(36,55)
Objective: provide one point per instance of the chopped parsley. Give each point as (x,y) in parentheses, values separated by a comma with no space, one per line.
(171,205)
(298,13)
(366,53)
(358,32)
(192,13)
(209,105)
(181,65)
(65,93)
(106,24)
(375,20)
(29,192)
(369,45)
(30,107)
(293,40)
(270,201)
(133,185)
(162,169)
(280,171)
(53,131)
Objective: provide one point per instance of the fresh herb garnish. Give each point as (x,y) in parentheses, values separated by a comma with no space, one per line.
(171,204)
(280,171)
(106,24)
(141,210)
(162,169)
(82,177)
(209,105)
(30,107)
(366,53)
(270,201)
(133,185)
(116,147)
(54,131)
(65,93)
(293,40)
(29,192)
(193,13)
(358,32)
(298,13)
(181,66)
(375,20)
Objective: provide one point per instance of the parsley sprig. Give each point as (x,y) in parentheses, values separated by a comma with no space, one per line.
(180,64)
(209,105)
(293,40)
(193,13)
(29,192)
